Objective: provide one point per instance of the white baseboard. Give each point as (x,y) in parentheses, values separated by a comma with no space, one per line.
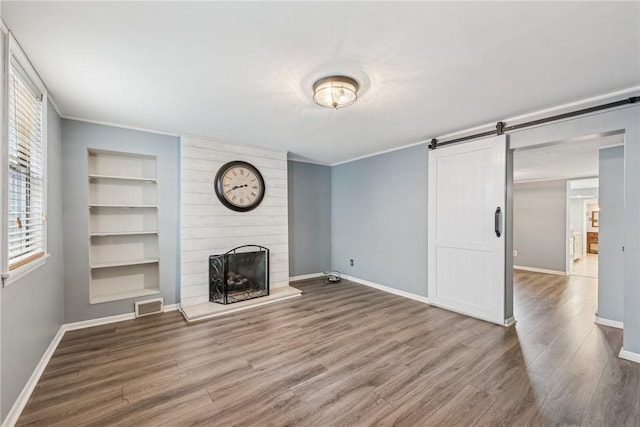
(111,319)
(508,322)
(606,322)
(384,288)
(305,277)
(29,387)
(27,390)
(540,270)
(171,307)
(629,355)
(97,322)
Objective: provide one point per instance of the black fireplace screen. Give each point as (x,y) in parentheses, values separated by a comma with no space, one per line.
(238,275)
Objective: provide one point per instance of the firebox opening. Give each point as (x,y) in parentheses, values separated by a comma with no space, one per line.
(239,274)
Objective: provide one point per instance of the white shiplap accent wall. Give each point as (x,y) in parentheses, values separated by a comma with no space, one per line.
(207,227)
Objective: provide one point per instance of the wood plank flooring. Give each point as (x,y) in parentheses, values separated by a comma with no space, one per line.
(345,354)
(586,266)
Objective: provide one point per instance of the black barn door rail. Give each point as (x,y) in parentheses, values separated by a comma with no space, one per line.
(501,127)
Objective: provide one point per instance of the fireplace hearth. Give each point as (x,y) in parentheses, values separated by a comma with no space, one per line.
(239,275)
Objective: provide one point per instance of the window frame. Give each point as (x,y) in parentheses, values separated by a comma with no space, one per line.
(12,50)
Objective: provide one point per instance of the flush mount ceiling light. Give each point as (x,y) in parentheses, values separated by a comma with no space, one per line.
(335,91)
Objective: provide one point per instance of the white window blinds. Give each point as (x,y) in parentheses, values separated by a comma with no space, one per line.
(26,181)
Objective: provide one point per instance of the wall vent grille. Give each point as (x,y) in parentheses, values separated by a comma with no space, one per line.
(148,307)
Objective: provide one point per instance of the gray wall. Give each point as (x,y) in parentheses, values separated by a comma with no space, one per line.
(309,189)
(379,219)
(611,234)
(77,138)
(539,224)
(32,306)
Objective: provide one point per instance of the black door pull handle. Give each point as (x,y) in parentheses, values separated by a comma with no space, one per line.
(497,221)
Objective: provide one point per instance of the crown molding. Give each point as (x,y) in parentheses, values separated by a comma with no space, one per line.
(583,103)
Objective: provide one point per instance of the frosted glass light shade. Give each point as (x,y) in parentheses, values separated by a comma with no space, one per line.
(335,91)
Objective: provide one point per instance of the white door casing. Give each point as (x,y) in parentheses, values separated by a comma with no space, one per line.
(466,257)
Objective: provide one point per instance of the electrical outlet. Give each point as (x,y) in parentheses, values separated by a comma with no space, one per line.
(515,253)
(351,262)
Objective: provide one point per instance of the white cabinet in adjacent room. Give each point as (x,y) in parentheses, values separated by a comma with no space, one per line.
(123,225)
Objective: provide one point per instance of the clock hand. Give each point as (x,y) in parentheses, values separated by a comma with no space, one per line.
(238,186)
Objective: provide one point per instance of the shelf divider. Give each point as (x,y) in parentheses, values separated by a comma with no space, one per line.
(124,263)
(123,178)
(121,233)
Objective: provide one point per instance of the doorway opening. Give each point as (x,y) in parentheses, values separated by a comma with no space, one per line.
(583,213)
(561,192)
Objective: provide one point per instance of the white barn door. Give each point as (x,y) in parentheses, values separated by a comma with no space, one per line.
(466,242)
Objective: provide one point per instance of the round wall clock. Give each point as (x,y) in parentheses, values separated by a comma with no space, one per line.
(239,186)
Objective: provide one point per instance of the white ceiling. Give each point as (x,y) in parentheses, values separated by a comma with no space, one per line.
(571,159)
(242,72)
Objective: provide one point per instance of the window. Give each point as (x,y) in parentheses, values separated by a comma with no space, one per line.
(26,160)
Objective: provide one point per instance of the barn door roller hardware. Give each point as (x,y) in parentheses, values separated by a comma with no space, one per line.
(502,128)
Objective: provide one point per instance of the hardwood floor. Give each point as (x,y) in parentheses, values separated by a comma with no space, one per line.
(346,354)
(586,266)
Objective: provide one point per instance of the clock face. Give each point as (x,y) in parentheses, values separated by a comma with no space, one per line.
(239,186)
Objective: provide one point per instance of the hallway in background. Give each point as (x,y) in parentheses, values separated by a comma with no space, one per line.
(586,266)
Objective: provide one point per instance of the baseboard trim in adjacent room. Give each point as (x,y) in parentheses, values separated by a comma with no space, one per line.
(305,277)
(611,323)
(540,270)
(388,289)
(29,387)
(629,355)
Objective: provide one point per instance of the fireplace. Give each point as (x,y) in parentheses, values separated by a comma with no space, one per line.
(239,275)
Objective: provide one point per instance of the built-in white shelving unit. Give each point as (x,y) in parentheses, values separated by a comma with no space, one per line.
(123,225)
